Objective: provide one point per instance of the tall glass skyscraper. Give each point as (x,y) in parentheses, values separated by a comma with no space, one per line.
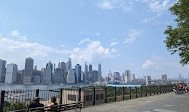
(68,65)
(11,73)
(90,67)
(2,70)
(27,78)
(78,73)
(99,71)
(48,73)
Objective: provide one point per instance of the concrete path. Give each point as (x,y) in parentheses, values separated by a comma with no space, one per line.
(158,103)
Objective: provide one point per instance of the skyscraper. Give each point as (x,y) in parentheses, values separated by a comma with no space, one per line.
(71,76)
(58,76)
(63,68)
(2,70)
(86,68)
(164,79)
(68,65)
(90,67)
(11,73)
(48,73)
(128,76)
(99,71)
(148,80)
(27,78)
(78,73)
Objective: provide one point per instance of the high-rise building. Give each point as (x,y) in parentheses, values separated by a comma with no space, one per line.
(164,79)
(128,76)
(11,73)
(78,73)
(27,78)
(123,77)
(63,68)
(110,76)
(99,71)
(93,76)
(48,73)
(68,65)
(86,68)
(2,70)
(148,80)
(36,78)
(90,67)
(71,76)
(116,76)
(58,76)
(43,70)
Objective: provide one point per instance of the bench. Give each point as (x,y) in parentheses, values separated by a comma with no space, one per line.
(58,108)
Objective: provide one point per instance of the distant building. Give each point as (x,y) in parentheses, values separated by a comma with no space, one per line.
(27,78)
(2,70)
(116,76)
(68,65)
(63,68)
(110,76)
(48,73)
(93,76)
(86,68)
(123,77)
(90,67)
(148,80)
(43,70)
(164,79)
(36,78)
(78,73)
(71,78)
(99,71)
(11,73)
(127,76)
(58,76)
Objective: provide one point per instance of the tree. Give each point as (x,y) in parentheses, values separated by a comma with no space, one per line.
(177,39)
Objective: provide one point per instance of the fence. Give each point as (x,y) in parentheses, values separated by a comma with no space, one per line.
(20,99)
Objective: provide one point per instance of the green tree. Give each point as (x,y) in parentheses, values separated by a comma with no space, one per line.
(177,40)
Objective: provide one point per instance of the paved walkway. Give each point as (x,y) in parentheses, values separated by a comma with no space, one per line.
(158,103)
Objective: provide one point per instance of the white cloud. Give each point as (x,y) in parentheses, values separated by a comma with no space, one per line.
(113,43)
(15,33)
(84,40)
(132,35)
(124,5)
(147,64)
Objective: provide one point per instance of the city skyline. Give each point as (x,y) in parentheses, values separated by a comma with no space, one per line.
(118,34)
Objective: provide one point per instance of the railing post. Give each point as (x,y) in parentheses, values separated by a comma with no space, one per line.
(105,94)
(130,92)
(136,91)
(94,96)
(160,89)
(141,91)
(123,97)
(146,91)
(60,101)
(2,100)
(37,93)
(150,91)
(79,98)
(157,90)
(115,94)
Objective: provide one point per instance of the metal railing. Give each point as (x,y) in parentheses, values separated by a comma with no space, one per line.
(21,99)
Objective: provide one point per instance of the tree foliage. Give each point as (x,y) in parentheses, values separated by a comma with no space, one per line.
(177,40)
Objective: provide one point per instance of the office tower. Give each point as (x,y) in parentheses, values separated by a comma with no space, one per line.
(86,68)
(132,77)
(27,79)
(37,75)
(83,77)
(78,73)
(63,68)
(123,77)
(110,76)
(90,67)
(59,64)
(116,76)
(48,73)
(11,74)
(128,76)
(2,70)
(164,79)
(68,65)
(93,76)
(19,77)
(99,71)
(43,70)
(148,80)
(71,76)
(58,76)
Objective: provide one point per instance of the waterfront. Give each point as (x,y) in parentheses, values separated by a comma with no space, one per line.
(42,87)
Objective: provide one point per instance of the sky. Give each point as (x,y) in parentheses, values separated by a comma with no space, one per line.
(119,34)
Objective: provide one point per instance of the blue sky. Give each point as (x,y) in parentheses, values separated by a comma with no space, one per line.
(119,34)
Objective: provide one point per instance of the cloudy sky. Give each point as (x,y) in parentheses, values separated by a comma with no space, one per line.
(119,34)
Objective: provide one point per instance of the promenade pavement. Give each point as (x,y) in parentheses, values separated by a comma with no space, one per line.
(159,103)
